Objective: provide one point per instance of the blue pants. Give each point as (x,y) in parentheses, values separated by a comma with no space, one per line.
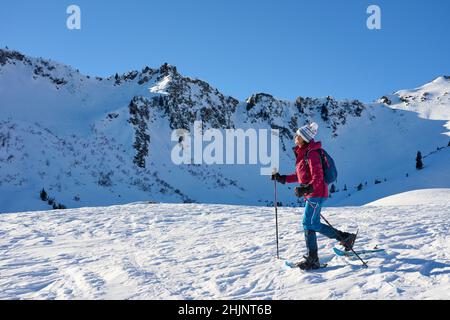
(312,224)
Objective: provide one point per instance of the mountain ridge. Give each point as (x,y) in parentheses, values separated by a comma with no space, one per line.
(99,142)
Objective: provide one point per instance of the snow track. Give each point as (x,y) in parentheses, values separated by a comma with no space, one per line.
(190,251)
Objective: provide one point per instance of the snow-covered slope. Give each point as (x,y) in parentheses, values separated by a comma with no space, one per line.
(416,197)
(94,141)
(190,251)
(431,101)
(434,175)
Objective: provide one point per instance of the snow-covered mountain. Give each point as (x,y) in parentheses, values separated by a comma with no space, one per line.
(91,141)
(431,100)
(149,251)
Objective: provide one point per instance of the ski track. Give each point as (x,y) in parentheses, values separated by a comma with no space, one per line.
(192,251)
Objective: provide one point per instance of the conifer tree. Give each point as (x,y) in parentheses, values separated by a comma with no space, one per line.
(43,195)
(419,163)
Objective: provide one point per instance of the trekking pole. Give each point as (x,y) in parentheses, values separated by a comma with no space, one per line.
(276,216)
(337,235)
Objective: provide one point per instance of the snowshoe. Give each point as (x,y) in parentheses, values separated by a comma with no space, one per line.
(310,263)
(348,240)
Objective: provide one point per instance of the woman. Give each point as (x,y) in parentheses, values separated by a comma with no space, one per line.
(309,173)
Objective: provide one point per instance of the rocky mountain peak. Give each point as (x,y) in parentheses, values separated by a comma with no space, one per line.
(11,56)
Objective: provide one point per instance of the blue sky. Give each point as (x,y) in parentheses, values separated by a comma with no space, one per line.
(286,48)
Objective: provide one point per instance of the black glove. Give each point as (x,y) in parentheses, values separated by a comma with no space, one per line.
(303,190)
(277,177)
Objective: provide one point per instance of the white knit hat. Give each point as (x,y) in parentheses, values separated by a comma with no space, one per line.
(308,132)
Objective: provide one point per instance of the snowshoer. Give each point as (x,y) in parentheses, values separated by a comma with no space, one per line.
(309,174)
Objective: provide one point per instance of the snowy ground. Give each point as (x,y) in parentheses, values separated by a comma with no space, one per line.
(169,251)
(416,197)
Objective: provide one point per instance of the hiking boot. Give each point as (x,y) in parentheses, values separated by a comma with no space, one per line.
(311,262)
(348,240)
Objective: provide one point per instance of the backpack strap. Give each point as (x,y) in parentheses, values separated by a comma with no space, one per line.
(307,155)
(306,158)
(321,156)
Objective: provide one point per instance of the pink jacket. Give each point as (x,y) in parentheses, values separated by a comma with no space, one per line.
(312,173)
